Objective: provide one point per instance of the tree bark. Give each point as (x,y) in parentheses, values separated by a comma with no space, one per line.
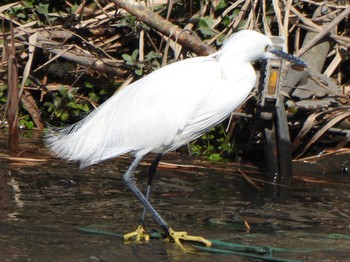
(12,103)
(165,27)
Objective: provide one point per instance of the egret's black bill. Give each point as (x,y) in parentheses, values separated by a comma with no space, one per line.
(291,58)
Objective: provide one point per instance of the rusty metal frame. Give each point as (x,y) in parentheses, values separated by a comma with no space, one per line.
(274,125)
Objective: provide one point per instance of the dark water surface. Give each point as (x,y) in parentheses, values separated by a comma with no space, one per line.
(44,202)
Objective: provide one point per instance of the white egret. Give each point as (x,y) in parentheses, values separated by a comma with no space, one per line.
(165,110)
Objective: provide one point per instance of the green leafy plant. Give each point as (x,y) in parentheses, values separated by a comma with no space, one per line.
(25,122)
(150,63)
(131,60)
(3,93)
(214,145)
(66,105)
(205,26)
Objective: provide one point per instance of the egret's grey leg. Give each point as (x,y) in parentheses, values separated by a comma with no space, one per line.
(140,232)
(130,182)
(151,172)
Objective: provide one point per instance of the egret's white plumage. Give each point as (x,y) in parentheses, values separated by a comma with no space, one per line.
(169,107)
(166,109)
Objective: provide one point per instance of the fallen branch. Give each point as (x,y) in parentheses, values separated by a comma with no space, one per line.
(165,27)
(106,65)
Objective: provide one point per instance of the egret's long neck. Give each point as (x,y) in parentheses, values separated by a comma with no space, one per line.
(235,66)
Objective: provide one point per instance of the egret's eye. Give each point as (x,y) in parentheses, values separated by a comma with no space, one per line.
(267,48)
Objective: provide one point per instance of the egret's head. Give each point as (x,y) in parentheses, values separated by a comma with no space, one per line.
(250,45)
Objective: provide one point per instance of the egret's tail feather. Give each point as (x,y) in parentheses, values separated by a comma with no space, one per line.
(80,143)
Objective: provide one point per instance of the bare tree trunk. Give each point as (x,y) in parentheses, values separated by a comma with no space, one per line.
(12,97)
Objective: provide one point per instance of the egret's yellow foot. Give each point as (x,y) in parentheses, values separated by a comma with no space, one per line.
(182,235)
(139,233)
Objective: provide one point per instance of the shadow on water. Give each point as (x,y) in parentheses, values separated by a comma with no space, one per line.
(43,202)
